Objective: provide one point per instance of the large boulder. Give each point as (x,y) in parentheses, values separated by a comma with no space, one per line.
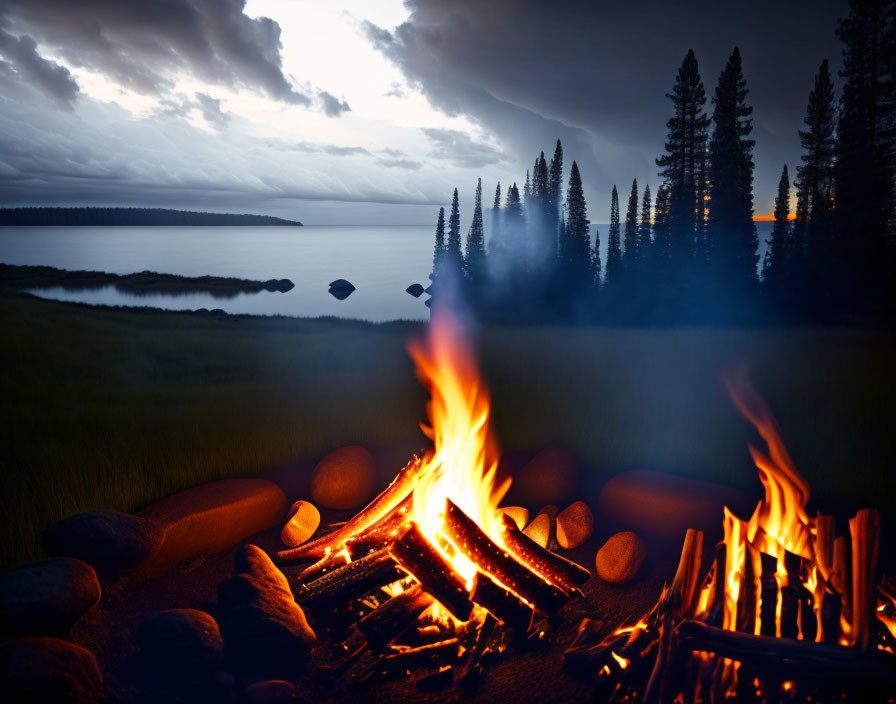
(665,505)
(47,598)
(345,478)
(48,670)
(264,628)
(108,540)
(551,477)
(210,518)
(181,641)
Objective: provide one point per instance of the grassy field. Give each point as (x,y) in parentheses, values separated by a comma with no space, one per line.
(115,408)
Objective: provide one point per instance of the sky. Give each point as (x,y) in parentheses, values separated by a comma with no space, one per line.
(373,111)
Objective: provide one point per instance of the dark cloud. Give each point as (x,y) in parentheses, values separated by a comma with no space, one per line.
(409,164)
(596,74)
(49,77)
(141,45)
(332,106)
(211,111)
(458,148)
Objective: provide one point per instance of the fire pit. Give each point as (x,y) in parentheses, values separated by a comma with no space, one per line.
(788,610)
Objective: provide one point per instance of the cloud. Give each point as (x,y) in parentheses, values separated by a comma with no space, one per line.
(395,90)
(211,111)
(409,164)
(331,149)
(49,77)
(144,45)
(457,148)
(332,106)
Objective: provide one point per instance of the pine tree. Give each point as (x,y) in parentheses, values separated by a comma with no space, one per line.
(454,258)
(497,203)
(866,152)
(512,206)
(775,265)
(732,250)
(614,253)
(555,180)
(540,183)
(527,190)
(630,233)
(682,166)
(439,250)
(475,264)
(577,250)
(595,260)
(660,257)
(644,239)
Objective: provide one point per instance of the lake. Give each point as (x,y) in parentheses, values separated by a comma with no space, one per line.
(381,261)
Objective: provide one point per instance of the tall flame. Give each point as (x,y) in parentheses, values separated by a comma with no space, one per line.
(463,463)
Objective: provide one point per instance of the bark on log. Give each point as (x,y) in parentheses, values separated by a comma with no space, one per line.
(566,574)
(768,591)
(864,530)
(381,626)
(501,603)
(350,581)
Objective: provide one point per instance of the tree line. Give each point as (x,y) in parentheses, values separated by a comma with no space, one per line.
(92,216)
(690,253)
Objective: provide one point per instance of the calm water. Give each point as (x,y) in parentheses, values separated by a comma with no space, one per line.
(380,261)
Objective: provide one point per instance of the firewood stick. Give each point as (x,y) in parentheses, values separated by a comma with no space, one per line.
(658,686)
(864,530)
(830,617)
(416,556)
(768,595)
(377,509)
(482,551)
(501,603)
(405,659)
(568,575)
(590,659)
(824,545)
(748,601)
(351,581)
(634,677)
(841,576)
(470,670)
(808,617)
(688,572)
(790,602)
(717,606)
(792,659)
(382,532)
(382,625)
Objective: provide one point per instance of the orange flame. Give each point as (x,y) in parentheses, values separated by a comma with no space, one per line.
(463,463)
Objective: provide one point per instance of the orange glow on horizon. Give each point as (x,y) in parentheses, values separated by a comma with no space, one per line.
(771,218)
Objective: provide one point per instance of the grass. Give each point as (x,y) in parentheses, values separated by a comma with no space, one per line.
(116,408)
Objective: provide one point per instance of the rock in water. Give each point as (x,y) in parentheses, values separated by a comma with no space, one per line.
(263,626)
(344,479)
(416,290)
(48,670)
(517,514)
(211,517)
(47,598)
(304,518)
(550,477)
(183,641)
(108,540)
(574,525)
(341,289)
(619,560)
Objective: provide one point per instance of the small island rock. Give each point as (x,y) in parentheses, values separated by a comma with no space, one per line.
(416,290)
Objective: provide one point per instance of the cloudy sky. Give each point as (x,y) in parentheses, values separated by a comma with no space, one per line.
(354,111)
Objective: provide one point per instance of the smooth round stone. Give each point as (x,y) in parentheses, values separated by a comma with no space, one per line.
(575,524)
(620,558)
(48,670)
(107,540)
(304,519)
(552,477)
(540,529)
(182,640)
(517,514)
(344,479)
(48,597)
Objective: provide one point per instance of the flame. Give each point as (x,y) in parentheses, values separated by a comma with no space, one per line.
(463,463)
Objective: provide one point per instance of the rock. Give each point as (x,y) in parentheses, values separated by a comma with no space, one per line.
(518,515)
(666,505)
(218,311)
(181,641)
(342,284)
(108,540)
(550,477)
(270,692)
(211,517)
(279,285)
(620,558)
(416,290)
(48,597)
(341,289)
(541,529)
(263,626)
(344,479)
(48,670)
(574,525)
(304,518)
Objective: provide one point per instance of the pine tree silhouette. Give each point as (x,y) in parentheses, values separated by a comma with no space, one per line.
(497,203)
(475,263)
(454,259)
(644,228)
(778,256)
(630,233)
(438,256)
(577,250)
(614,253)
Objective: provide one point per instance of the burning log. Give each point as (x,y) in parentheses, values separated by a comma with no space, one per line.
(864,530)
(790,604)
(382,625)
(567,574)
(482,551)
(418,558)
(768,594)
(351,581)
(469,673)
(748,604)
(407,658)
(375,511)
(791,659)
(501,603)
(824,545)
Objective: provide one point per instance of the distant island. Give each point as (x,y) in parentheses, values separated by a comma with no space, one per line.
(142,283)
(131,216)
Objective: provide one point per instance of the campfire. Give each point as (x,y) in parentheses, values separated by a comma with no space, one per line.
(431,574)
(788,610)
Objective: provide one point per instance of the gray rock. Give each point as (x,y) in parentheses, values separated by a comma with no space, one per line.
(47,598)
(108,540)
(48,670)
(263,626)
(270,692)
(181,640)
(416,290)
